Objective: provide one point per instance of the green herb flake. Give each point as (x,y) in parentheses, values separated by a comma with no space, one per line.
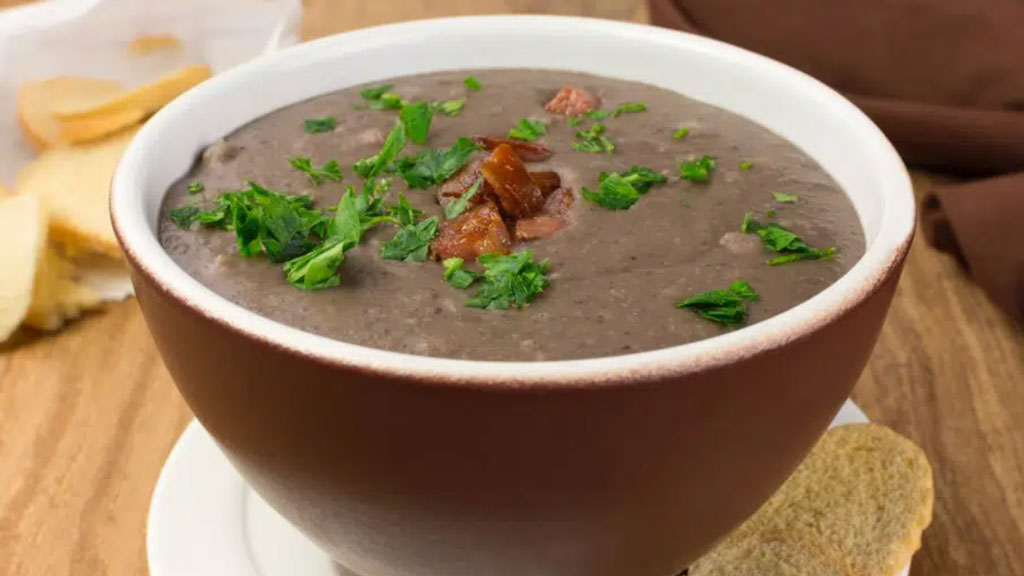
(387,101)
(510,281)
(597,115)
(593,141)
(727,307)
(771,213)
(681,133)
(185,216)
(448,107)
(411,243)
(434,166)
(573,121)
(196,187)
(629,108)
(472,83)
(778,238)
(456,274)
(620,190)
(697,170)
(374,92)
(329,171)
(417,118)
(785,198)
(528,130)
(319,125)
(746,165)
(371,166)
(456,207)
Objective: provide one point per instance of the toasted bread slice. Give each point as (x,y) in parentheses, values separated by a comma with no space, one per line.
(863,489)
(57,295)
(23,237)
(74,186)
(37,100)
(772,553)
(147,98)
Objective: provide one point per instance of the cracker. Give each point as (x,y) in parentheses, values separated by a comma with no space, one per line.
(148,98)
(57,294)
(36,101)
(23,239)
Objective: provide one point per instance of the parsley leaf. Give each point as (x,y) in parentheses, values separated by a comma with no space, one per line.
(472,83)
(411,243)
(417,118)
(593,140)
(597,114)
(318,268)
(185,216)
(459,205)
(371,166)
(319,125)
(436,165)
(403,212)
(778,238)
(728,307)
(387,101)
(456,274)
(374,92)
(448,107)
(620,190)
(628,108)
(573,121)
(746,165)
(196,187)
(681,133)
(330,171)
(513,280)
(528,130)
(697,170)
(785,198)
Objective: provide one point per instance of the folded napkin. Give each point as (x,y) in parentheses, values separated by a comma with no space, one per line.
(942,78)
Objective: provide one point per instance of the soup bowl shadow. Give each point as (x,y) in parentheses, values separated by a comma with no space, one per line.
(632,465)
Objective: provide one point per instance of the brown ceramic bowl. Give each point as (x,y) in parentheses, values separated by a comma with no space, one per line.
(401,465)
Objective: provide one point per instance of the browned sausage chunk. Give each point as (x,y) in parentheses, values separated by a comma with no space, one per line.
(573,101)
(527,151)
(476,232)
(518,195)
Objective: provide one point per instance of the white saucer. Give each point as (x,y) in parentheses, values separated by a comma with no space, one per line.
(205,521)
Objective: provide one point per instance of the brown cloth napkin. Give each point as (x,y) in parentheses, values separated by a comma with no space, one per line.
(944,79)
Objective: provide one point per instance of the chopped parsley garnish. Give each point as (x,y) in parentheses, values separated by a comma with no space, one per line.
(771,213)
(456,274)
(185,216)
(593,141)
(448,107)
(434,166)
(573,121)
(329,171)
(597,115)
(628,108)
(746,165)
(459,205)
(728,307)
(513,280)
(371,166)
(472,83)
(697,170)
(417,118)
(411,243)
(387,101)
(778,238)
(374,92)
(319,125)
(620,190)
(196,187)
(528,130)
(681,133)
(785,198)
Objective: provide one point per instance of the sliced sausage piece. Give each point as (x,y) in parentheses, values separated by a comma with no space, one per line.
(573,101)
(559,203)
(527,151)
(459,183)
(547,181)
(538,227)
(518,195)
(476,232)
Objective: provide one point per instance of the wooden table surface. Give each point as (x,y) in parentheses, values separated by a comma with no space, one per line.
(87,417)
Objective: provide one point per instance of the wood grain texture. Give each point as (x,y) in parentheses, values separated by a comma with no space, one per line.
(87,417)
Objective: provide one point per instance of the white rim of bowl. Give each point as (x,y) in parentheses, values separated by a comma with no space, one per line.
(886,250)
